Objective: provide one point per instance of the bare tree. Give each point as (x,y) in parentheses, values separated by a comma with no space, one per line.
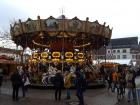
(5,40)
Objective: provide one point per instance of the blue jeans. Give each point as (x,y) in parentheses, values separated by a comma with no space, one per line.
(114,86)
(131,91)
(68,93)
(79,94)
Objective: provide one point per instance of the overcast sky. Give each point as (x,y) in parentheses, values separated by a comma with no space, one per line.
(122,15)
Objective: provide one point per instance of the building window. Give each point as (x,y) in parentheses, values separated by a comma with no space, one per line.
(124,50)
(118,56)
(114,56)
(114,51)
(133,56)
(108,51)
(124,57)
(118,51)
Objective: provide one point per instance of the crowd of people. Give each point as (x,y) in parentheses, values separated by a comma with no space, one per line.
(119,80)
(67,79)
(19,78)
(78,77)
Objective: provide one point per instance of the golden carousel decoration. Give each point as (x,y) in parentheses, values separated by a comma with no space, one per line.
(61,36)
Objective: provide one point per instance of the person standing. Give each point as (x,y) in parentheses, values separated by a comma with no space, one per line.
(58,82)
(130,85)
(109,80)
(1,78)
(23,77)
(67,83)
(25,80)
(80,87)
(114,80)
(16,82)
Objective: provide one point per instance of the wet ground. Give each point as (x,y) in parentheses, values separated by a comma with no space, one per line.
(46,97)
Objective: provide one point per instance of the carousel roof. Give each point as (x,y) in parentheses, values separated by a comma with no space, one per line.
(45,32)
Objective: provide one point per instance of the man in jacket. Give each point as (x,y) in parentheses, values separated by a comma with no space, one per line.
(80,87)
(58,84)
(16,82)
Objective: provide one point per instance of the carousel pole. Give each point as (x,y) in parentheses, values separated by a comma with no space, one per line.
(21,54)
(26,46)
(83,43)
(63,26)
(63,55)
(41,34)
(105,51)
(74,51)
(17,54)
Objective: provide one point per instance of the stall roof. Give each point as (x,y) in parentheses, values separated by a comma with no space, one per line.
(125,61)
(2,61)
(11,51)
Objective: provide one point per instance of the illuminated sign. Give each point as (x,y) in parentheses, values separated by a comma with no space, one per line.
(55,60)
(35,55)
(80,55)
(44,55)
(56,54)
(69,60)
(68,54)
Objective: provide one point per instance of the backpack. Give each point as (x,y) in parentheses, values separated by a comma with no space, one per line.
(129,81)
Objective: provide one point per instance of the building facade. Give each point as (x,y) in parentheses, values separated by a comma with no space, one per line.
(122,49)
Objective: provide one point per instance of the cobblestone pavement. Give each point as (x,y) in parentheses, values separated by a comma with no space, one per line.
(46,97)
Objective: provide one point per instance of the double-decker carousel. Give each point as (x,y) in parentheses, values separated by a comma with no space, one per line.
(60,44)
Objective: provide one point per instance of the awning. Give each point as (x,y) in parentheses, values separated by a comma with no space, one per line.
(125,61)
(2,61)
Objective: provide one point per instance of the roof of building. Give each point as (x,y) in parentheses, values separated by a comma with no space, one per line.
(129,42)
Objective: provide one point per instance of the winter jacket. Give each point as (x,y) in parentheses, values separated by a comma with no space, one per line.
(58,81)
(67,81)
(16,79)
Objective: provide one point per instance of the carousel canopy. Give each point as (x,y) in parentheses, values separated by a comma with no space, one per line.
(61,33)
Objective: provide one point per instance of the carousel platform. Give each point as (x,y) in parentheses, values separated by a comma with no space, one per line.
(50,86)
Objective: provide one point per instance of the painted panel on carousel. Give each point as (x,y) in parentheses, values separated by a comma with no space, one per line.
(44,55)
(51,24)
(69,55)
(106,32)
(86,26)
(17,30)
(75,25)
(95,27)
(24,27)
(30,24)
(43,25)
